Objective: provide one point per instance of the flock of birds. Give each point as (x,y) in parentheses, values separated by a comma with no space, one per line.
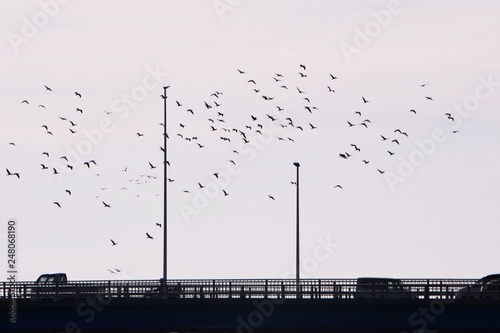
(210,114)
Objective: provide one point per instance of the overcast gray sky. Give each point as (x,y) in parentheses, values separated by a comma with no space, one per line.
(432,213)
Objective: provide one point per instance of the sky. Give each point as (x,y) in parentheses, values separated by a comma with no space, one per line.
(403,185)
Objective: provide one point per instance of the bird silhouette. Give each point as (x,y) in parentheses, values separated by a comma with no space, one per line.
(364,100)
(47,88)
(271,197)
(225,193)
(106,205)
(68,191)
(381,171)
(428,98)
(149,236)
(13,174)
(330,89)
(158,224)
(302,66)
(240,71)
(78,94)
(113,242)
(57,204)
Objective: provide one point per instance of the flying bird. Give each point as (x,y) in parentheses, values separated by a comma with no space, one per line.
(78,94)
(113,242)
(338,186)
(47,88)
(13,173)
(271,197)
(149,236)
(57,204)
(106,205)
(364,100)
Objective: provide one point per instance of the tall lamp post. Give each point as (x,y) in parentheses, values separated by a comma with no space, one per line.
(165,183)
(297,257)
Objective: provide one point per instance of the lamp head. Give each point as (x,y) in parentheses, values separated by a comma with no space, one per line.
(296,164)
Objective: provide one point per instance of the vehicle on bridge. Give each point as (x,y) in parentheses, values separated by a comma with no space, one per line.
(487,287)
(369,287)
(56,286)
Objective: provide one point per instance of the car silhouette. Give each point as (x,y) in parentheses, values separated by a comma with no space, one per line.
(369,287)
(487,287)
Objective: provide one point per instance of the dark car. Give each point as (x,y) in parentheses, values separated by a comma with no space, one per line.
(487,287)
(369,287)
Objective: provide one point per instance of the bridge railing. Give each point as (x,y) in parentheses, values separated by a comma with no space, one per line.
(235,288)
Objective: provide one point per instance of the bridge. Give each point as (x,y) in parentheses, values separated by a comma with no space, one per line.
(247,305)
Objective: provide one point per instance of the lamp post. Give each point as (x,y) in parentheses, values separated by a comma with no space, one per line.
(297,258)
(165,183)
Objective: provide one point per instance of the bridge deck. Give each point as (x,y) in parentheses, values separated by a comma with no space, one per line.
(243,288)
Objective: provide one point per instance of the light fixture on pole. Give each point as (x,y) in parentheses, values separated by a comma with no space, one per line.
(165,183)
(297,255)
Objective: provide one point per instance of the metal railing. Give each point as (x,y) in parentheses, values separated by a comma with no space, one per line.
(237,288)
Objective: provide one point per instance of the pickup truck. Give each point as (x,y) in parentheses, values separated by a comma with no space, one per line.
(56,286)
